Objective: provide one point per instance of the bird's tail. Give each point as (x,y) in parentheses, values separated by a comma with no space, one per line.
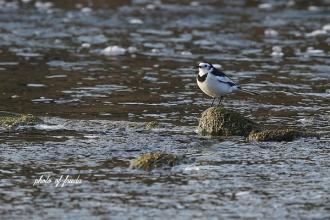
(248,91)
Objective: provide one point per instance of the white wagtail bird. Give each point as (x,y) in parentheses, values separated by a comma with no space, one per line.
(215,83)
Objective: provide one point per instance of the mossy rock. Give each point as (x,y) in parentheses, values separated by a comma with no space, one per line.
(219,121)
(152,124)
(10,120)
(154,160)
(288,134)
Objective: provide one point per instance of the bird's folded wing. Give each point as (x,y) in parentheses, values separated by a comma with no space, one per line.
(225,79)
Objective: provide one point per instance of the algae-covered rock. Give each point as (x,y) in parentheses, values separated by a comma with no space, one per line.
(288,134)
(219,121)
(9,120)
(153,160)
(152,124)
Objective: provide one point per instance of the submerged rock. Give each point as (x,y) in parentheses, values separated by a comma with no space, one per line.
(288,134)
(154,160)
(219,121)
(9,120)
(152,124)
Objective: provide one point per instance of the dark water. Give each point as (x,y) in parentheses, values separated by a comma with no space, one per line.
(95,101)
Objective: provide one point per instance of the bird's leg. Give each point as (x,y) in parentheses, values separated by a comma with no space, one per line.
(220,99)
(212,102)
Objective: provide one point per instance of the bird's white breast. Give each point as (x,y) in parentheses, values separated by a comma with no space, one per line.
(214,88)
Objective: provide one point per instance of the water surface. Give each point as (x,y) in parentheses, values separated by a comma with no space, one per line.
(96,71)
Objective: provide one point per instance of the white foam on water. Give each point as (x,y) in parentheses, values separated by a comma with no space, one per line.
(316,33)
(86,10)
(56,76)
(265,6)
(135,21)
(91,136)
(151,7)
(132,49)
(49,127)
(85,45)
(313,8)
(326,27)
(35,85)
(194,4)
(186,53)
(216,65)
(42,99)
(271,33)
(242,193)
(113,51)
(44,6)
(312,50)
(277,51)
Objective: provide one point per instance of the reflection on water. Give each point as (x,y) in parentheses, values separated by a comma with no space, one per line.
(134,61)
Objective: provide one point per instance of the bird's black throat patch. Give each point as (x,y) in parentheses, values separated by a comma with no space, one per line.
(201,78)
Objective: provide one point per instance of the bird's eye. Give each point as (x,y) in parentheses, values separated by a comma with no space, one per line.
(205,66)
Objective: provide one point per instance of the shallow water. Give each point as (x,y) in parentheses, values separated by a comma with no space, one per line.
(95,101)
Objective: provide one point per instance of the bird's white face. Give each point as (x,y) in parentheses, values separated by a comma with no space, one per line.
(204,68)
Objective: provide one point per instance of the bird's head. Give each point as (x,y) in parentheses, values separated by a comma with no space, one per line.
(204,68)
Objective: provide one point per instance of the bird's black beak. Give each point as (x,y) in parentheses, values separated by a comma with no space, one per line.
(198,67)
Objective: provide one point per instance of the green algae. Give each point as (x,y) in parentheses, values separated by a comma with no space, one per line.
(154,160)
(10,120)
(286,134)
(152,124)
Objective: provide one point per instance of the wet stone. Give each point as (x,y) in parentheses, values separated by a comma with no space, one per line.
(219,121)
(12,120)
(154,160)
(152,124)
(288,134)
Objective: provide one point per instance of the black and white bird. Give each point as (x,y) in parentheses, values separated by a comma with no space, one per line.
(215,83)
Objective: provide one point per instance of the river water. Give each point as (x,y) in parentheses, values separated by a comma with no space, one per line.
(97,71)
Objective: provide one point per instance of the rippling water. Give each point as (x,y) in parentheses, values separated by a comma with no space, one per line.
(97,70)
